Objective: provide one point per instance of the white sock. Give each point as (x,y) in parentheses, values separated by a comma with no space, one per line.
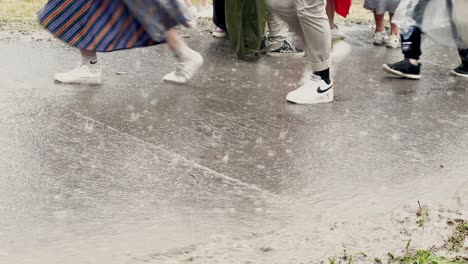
(90,61)
(183,52)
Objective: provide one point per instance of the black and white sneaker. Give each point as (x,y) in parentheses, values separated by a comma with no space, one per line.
(404,69)
(286,51)
(460,71)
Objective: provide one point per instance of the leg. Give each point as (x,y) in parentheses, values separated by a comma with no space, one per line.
(379,22)
(411,46)
(462,70)
(393,41)
(278,43)
(310,17)
(89,72)
(331,13)
(219,16)
(464,56)
(204,3)
(394,29)
(316,30)
(189,3)
(287,11)
(205,10)
(278,32)
(188,60)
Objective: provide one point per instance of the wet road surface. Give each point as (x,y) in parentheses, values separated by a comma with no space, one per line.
(137,170)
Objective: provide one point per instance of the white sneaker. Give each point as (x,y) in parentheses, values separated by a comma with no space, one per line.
(313,91)
(336,33)
(219,33)
(393,42)
(185,68)
(83,74)
(193,11)
(379,38)
(205,12)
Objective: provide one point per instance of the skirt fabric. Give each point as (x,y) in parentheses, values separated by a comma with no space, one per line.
(381,6)
(109,25)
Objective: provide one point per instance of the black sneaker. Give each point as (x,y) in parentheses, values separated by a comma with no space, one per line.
(404,69)
(460,71)
(286,51)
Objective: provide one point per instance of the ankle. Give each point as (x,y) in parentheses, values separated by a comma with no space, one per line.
(414,62)
(324,75)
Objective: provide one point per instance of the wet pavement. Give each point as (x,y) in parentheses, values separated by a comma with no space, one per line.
(222,170)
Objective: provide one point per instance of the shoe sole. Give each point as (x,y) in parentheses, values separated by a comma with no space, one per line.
(400,74)
(285,55)
(392,47)
(215,35)
(88,82)
(456,74)
(325,100)
(338,38)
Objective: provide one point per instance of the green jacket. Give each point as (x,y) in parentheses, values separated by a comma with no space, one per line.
(245,21)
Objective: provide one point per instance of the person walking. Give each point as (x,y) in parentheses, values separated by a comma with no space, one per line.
(309,19)
(279,42)
(219,19)
(410,67)
(379,8)
(108,25)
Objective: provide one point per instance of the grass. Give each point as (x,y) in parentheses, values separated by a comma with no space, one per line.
(450,251)
(422,215)
(20,10)
(457,240)
(427,257)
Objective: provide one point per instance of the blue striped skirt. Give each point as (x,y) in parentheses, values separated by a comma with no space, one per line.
(109,25)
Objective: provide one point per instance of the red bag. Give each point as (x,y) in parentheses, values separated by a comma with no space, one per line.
(342,7)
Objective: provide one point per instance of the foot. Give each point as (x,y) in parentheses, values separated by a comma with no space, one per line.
(186,68)
(393,42)
(379,38)
(83,74)
(404,69)
(287,50)
(205,12)
(313,91)
(219,33)
(336,33)
(193,11)
(460,71)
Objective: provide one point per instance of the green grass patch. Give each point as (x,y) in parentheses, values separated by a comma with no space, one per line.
(20,10)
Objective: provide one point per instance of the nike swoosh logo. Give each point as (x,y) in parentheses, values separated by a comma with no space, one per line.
(93,62)
(323,91)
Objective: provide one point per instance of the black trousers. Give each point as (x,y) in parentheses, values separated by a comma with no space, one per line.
(411,41)
(219,14)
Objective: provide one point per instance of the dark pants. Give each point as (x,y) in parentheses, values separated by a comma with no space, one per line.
(411,41)
(219,14)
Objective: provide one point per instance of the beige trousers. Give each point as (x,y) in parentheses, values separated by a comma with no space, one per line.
(460,11)
(278,32)
(309,19)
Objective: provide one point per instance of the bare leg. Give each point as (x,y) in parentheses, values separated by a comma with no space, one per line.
(379,22)
(394,29)
(331,13)
(188,60)
(204,3)
(174,40)
(189,3)
(86,53)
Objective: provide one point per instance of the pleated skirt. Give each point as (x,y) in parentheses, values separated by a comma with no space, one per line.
(109,25)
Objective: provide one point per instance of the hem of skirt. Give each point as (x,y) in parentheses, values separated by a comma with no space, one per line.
(155,43)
